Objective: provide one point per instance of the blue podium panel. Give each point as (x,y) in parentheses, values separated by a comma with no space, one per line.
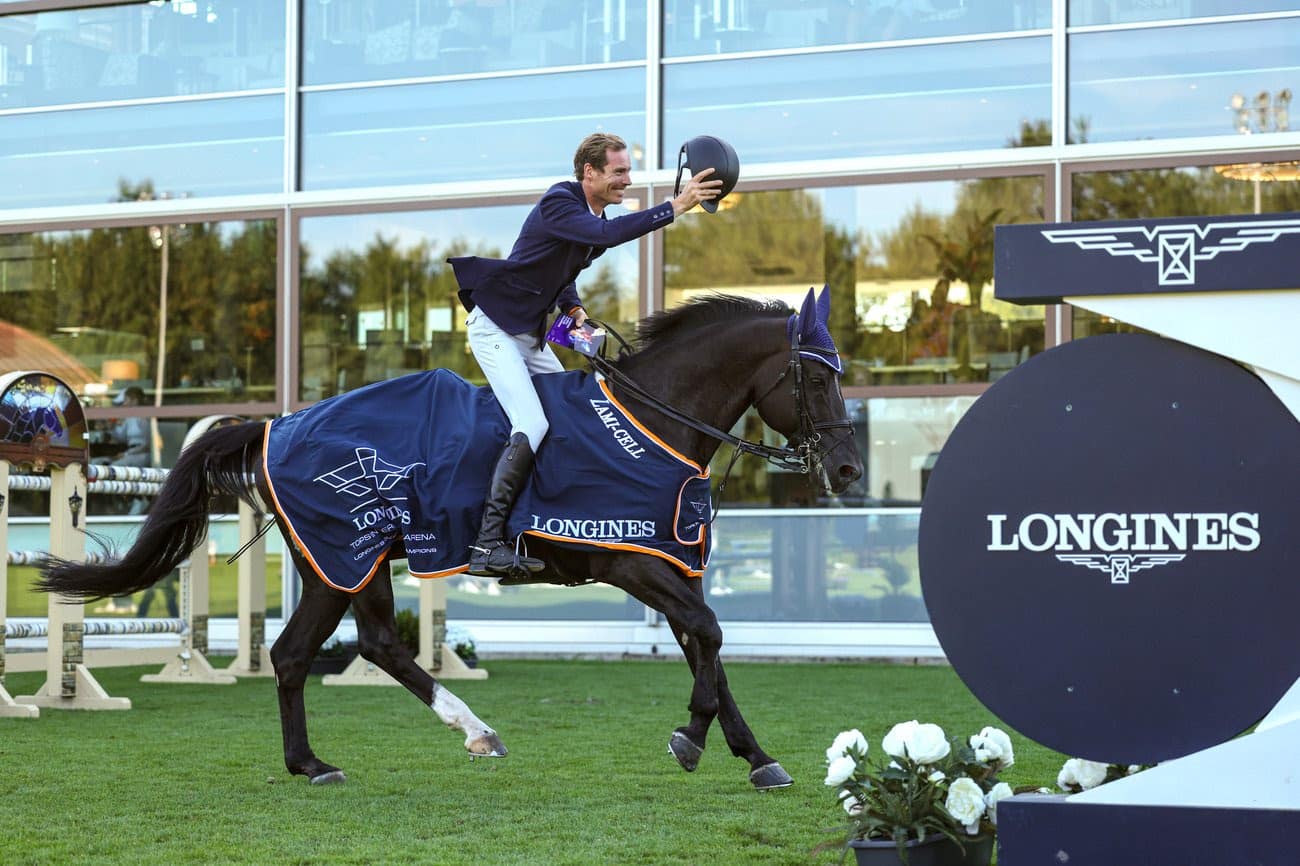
(1041,264)
(1050,831)
(1109,549)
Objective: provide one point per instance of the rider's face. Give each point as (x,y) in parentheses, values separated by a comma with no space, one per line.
(606,186)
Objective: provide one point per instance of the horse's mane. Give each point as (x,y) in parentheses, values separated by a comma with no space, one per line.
(666,325)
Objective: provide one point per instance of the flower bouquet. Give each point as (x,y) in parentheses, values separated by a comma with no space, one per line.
(923,787)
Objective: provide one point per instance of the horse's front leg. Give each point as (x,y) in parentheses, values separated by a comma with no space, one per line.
(697,631)
(765,773)
(378,642)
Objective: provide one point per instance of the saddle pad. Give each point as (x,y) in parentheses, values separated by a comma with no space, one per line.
(412,458)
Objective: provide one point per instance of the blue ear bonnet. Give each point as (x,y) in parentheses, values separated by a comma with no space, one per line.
(814,335)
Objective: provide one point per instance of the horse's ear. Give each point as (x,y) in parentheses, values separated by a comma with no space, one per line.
(808,317)
(824,305)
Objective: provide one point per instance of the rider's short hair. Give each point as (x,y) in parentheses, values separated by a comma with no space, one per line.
(593,151)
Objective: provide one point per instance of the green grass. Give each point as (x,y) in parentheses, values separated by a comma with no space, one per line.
(193,774)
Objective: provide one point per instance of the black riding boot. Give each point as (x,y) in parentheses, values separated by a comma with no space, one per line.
(490,554)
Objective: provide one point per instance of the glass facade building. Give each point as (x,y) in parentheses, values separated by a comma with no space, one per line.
(245,206)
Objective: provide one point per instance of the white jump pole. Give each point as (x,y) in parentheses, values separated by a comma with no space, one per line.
(252,659)
(69,684)
(434,656)
(9,708)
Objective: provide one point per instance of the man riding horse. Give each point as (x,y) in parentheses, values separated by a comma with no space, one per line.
(351,493)
(508,301)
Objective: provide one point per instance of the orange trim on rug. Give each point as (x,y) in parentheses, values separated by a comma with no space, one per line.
(431,575)
(302,548)
(677,516)
(600,380)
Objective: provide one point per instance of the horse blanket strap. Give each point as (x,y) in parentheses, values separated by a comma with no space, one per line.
(410,460)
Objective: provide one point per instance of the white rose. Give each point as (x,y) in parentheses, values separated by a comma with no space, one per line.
(937,776)
(851,805)
(993,746)
(844,741)
(839,770)
(1000,792)
(965,803)
(1090,773)
(895,742)
(928,744)
(1077,772)
(1068,777)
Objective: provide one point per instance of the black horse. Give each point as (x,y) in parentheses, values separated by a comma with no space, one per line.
(695,371)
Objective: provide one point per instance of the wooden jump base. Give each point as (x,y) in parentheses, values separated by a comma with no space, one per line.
(69,683)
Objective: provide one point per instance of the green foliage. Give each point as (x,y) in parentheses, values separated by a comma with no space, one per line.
(408,629)
(221,291)
(194,774)
(966,253)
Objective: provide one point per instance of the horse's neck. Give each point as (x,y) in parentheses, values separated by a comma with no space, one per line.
(712,381)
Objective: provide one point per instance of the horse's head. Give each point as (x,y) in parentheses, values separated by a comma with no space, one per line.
(806,405)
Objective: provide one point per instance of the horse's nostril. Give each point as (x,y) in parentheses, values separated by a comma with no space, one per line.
(850,472)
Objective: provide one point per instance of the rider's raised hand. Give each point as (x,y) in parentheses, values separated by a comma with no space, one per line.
(697,189)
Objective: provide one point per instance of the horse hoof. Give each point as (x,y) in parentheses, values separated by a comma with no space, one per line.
(686,752)
(488,746)
(770,776)
(333,777)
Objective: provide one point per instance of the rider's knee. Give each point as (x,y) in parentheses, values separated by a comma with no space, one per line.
(535,429)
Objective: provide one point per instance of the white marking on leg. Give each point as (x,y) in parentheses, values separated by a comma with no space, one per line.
(457,715)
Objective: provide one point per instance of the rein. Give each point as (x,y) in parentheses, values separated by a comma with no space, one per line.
(788,458)
(799,459)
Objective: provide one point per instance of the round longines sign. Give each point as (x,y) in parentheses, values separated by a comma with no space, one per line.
(1110,549)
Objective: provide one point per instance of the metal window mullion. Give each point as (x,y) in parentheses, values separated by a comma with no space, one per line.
(468,76)
(139,101)
(287,240)
(1244,17)
(35,6)
(654,146)
(848,47)
(1060,82)
(287,248)
(292,73)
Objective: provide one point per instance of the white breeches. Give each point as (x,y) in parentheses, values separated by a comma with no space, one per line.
(508,361)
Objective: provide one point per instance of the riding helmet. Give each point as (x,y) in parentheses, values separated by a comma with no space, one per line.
(708,151)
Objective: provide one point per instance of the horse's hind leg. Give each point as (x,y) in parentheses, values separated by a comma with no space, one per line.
(316,617)
(377,636)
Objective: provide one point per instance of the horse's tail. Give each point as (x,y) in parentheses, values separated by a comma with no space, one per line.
(221,461)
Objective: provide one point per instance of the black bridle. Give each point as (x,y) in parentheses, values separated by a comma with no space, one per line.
(802,458)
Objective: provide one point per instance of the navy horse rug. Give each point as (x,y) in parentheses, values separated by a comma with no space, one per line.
(411,459)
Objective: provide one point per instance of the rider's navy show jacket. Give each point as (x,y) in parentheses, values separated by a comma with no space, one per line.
(560,237)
